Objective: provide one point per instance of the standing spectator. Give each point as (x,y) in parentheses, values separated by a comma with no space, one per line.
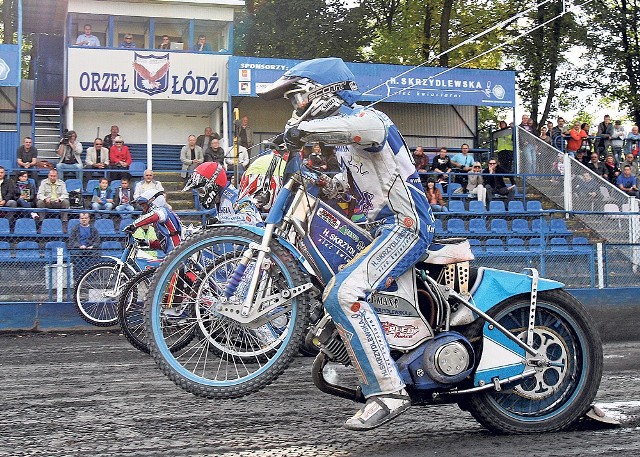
(97,156)
(165,43)
(525,124)
(504,145)
(605,133)
(147,183)
(421,160)
(558,134)
(102,197)
(626,182)
(128,41)
(84,235)
(595,165)
(576,134)
(611,170)
(442,164)
(119,156)
(586,141)
(70,153)
(25,191)
(204,140)
(244,132)
(7,190)
(434,196)
(108,140)
(617,140)
(123,197)
(243,161)
(27,155)
(87,38)
(202,45)
(475,186)
(632,162)
(190,155)
(544,135)
(462,163)
(496,184)
(53,194)
(632,141)
(214,152)
(549,127)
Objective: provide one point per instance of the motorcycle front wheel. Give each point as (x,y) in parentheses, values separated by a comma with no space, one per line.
(226,359)
(559,394)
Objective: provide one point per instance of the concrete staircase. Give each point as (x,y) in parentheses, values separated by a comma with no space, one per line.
(47,122)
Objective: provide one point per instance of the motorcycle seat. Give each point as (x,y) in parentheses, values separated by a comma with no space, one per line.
(448,251)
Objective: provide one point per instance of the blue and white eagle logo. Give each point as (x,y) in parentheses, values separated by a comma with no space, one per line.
(151,73)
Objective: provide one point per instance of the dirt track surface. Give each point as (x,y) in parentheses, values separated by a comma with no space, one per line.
(94,395)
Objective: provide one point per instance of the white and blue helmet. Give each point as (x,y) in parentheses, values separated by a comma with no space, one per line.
(316,88)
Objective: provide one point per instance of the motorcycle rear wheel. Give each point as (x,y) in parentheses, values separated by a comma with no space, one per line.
(556,397)
(227,359)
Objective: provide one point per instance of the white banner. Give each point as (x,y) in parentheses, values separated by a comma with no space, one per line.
(159,75)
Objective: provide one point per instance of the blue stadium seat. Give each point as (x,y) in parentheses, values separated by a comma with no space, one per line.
(534,206)
(451,190)
(4,227)
(126,221)
(476,245)
(112,248)
(136,169)
(439,228)
(51,250)
(521,227)
(72,223)
(536,244)
(91,185)
(496,206)
(74,184)
(5,250)
(456,206)
(478,226)
(539,226)
(515,244)
(25,226)
(580,243)
(115,184)
(476,206)
(559,227)
(51,227)
(105,226)
(27,250)
(455,226)
(559,245)
(516,206)
(499,226)
(493,245)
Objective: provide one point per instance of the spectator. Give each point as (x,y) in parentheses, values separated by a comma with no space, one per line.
(549,127)
(504,145)
(441,163)
(632,142)
(611,170)
(496,184)
(462,162)
(119,156)
(53,194)
(108,140)
(202,45)
(475,186)
(525,124)
(617,140)
(102,197)
(190,155)
(558,134)
(243,161)
(70,153)
(97,156)
(576,134)
(544,135)
(7,190)
(605,133)
(87,38)
(582,156)
(214,152)
(329,156)
(632,162)
(123,197)
(25,191)
(128,41)
(204,140)
(244,132)
(421,160)
(84,235)
(147,183)
(595,165)
(586,145)
(28,156)
(434,196)
(626,182)
(315,159)
(165,43)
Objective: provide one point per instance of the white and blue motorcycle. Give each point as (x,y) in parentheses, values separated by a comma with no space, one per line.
(517,351)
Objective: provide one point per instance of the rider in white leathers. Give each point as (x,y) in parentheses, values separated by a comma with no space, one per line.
(381,177)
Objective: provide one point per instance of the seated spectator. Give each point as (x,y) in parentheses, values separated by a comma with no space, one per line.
(496,184)
(611,170)
(595,165)
(243,161)
(315,159)
(70,153)
(128,41)
(434,196)
(202,45)
(108,139)
(53,194)
(119,156)
(632,142)
(191,155)
(632,162)
(87,38)
(102,197)
(27,155)
(441,163)
(582,156)
(329,156)
(123,196)
(165,43)
(84,235)
(626,182)
(147,183)
(204,140)
(25,191)
(462,163)
(214,152)
(475,186)
(97,156)
(576,135)
(421,160)
(7,190)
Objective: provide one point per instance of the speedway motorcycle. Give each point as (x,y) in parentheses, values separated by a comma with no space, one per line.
(516,350)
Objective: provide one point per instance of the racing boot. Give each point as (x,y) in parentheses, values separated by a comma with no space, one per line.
(379,410)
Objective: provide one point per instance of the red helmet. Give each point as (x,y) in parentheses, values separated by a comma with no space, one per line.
(210,177)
